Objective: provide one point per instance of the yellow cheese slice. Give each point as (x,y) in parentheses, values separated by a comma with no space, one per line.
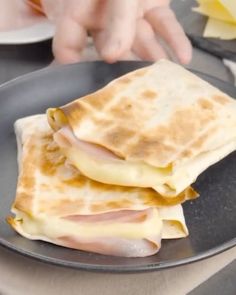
(230,5)
(219,29)
(221,10)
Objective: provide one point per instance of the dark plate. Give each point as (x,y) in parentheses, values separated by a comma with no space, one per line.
(211,219)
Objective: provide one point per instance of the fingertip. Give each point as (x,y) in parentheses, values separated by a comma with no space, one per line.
(185,60)
(108,58)
(69,40)
(185,55)
(111,52)
(167,27)
(64,56)
(120,31)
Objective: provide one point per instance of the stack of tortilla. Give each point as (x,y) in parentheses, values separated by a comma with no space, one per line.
(107,173)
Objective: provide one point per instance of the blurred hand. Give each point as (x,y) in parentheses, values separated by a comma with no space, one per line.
(15,14)
(118,27)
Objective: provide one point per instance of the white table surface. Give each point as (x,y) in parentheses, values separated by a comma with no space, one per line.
(21,275)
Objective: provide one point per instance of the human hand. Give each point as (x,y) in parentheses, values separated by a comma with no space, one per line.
(117,27)
(15,14)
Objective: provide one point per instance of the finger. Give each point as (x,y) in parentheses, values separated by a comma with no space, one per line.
(69,40)
(145,44)
(129,55)
(99,39)
(120,29)
(166,25)
(51,10)
(150,4)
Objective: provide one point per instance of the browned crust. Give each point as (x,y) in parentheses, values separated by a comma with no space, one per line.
(119,122)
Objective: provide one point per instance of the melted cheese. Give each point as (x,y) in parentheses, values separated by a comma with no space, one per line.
(55,227)
(168,222)
(166,182)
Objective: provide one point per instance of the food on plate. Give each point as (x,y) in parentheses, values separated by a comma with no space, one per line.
(56,203)
(157,127)
(107,173)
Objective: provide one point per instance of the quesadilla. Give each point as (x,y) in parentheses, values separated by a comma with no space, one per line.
(56,203)
(157,127)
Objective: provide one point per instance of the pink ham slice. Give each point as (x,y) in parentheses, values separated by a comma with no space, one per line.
(115,246)
(118,216)
(65,137)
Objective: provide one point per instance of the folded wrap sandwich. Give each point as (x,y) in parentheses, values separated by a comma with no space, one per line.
(156,127)
(55,203)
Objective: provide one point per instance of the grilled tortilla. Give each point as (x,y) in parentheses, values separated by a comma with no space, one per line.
(56,203)
(157,127)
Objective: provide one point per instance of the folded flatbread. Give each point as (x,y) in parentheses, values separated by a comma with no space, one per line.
(157,127)
(57,204)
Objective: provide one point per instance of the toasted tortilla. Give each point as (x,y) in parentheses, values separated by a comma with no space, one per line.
(158,127)
(56,203)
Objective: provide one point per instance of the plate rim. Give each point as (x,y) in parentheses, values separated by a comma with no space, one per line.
(14,37)
(128,268)
(124,268)
(52,67)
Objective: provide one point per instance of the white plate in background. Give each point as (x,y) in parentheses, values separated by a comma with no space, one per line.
(41,31)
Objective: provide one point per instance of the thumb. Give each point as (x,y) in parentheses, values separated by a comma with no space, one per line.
(120,29)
